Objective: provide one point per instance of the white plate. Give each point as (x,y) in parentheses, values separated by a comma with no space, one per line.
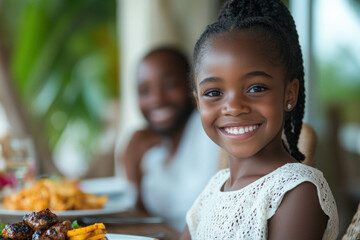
(107,186)
(110,208)
(111,236)
(121,198)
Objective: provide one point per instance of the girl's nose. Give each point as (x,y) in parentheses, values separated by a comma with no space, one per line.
(235,105)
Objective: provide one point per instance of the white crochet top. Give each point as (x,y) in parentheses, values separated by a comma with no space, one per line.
(243,214)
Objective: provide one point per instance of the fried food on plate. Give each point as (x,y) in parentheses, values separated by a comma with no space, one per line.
(57,195)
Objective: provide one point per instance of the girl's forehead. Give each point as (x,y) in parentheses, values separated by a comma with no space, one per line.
(234,41)
(237,53)
(235,46)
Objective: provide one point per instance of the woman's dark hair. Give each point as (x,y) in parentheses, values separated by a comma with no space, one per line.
(272,21)
(175,52)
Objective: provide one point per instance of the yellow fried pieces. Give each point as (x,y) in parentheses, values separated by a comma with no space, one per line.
(96,231)
(56,195)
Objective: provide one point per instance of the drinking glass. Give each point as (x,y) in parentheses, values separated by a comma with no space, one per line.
(18,161)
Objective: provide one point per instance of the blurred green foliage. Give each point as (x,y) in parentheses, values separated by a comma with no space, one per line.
(340,89)
(63,59)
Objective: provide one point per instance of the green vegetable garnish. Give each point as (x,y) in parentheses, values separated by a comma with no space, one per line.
(2,226)
(75,224)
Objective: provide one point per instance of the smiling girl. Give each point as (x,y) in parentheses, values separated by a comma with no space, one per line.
(249,88)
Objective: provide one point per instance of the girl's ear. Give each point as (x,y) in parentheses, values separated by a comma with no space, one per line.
(291,95)
(196,99)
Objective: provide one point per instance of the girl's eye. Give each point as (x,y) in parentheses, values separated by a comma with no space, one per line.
(256,89)
(212,93)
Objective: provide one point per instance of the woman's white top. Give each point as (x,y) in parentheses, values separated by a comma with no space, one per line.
(243,214)
(170,190)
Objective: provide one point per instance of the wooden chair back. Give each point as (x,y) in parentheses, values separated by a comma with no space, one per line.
(353,231)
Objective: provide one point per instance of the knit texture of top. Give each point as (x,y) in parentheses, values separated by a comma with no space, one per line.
(243,214)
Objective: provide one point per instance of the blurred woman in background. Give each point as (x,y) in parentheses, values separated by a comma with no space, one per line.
(171,160)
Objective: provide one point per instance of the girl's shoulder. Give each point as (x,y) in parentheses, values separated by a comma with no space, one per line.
(285,178)
(304,186)
(298,171)
(291,175)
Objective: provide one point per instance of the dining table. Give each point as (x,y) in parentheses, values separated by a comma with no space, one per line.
(130,222)
(135,222)
(119,215)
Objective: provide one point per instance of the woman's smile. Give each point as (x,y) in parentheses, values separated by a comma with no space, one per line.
(162,115)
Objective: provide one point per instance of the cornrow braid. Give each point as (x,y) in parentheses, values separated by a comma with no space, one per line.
(273,20)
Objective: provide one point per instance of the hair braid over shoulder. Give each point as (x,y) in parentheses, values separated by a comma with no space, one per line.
(275,20)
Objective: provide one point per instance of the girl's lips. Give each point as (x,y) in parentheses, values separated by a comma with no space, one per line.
(240,132)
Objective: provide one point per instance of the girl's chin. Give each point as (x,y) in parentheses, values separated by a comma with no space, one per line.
(242,157)
(236,154)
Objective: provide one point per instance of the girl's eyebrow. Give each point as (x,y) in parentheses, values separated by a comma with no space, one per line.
(209,79)
(257,73)
(247,75)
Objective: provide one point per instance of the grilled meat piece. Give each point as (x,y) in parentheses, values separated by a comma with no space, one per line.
(41,220)
(37,235)
(56,232)
(17,231)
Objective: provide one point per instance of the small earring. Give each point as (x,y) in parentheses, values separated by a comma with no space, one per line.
(289,106)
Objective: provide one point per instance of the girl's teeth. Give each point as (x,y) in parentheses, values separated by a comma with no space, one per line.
(240,130)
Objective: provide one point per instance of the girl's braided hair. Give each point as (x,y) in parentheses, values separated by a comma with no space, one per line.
(272,21)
